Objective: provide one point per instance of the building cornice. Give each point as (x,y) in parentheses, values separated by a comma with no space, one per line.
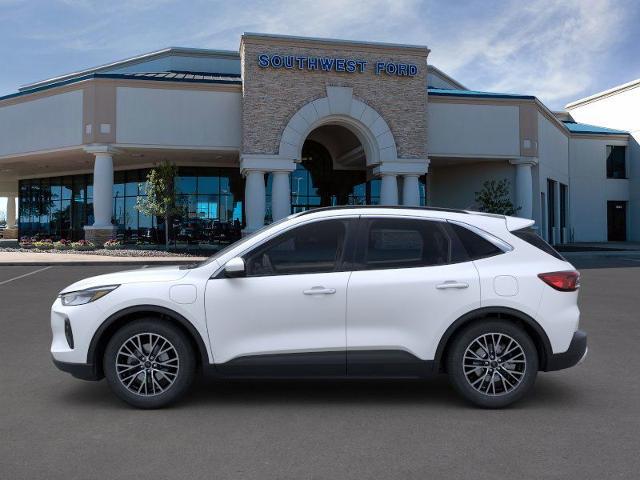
(604,94)
(311,42)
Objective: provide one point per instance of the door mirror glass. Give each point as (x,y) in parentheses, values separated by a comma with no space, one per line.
(234,268)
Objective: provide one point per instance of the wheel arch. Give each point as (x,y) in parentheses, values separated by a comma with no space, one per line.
(530,325)
(117,320)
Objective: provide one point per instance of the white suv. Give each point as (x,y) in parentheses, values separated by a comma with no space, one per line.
(348,292)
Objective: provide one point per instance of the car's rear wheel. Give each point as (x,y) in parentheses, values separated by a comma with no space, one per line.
(492,363)
(149,363)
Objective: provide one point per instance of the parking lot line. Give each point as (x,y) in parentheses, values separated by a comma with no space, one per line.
(25,275)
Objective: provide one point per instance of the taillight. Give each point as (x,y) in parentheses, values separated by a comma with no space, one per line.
(562,281)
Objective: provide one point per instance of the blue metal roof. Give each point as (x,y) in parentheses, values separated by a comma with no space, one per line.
(575,127)
(445,92)
(188,77)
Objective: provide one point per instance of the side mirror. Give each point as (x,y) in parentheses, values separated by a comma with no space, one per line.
(234,268)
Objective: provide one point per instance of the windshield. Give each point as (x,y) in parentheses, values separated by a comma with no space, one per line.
(242,241)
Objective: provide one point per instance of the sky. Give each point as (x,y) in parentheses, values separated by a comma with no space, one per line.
(557,50)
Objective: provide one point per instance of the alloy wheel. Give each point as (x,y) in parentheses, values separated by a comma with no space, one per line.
(494,364)
(147,364)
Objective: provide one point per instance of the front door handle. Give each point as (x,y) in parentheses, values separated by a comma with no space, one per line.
(452,284)
(319,291)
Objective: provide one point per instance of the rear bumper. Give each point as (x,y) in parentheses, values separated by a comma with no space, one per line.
(83,371)
(576,352)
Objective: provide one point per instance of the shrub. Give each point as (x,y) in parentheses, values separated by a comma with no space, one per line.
(62,245)
(112,244)
(26,242)
(43,244)
(83,245)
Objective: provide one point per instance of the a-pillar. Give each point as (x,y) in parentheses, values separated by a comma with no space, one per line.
(524,185)
(102,228)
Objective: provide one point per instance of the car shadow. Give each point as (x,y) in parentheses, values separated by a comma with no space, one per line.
(432,392)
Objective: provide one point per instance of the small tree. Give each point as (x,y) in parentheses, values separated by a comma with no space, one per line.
(160,200)
(495,198)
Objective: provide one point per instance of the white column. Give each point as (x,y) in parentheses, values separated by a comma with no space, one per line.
(411,190)
(103,190)
(11,211)
(255,199)
(524,187)
(280,195)
(389,189)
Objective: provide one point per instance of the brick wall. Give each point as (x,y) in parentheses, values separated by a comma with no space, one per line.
(271,96)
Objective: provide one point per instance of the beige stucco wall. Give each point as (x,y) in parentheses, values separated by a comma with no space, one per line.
(272,96)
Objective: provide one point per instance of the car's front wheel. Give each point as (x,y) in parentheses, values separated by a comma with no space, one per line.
(149,363)
(492,363)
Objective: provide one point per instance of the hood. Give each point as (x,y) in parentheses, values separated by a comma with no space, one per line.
(156,274)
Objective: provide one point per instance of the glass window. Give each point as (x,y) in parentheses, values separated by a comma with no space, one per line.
(313,248)
(474,245)
(530,236)
(404,243)
(616,167)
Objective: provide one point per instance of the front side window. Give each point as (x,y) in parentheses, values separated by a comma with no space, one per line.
(316,247)
(616,165)
(405,243)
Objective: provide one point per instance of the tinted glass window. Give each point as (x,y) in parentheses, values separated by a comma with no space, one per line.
(403,243)
(475,246)
(313,248)
(616,167)
(530,236)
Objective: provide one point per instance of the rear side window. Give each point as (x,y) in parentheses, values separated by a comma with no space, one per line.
(530,236)
(475,246)
(403,243)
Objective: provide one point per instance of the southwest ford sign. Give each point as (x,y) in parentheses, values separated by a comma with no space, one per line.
(334,64)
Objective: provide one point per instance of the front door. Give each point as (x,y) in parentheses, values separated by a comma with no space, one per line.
(617,221)
(286,317)
(410,282)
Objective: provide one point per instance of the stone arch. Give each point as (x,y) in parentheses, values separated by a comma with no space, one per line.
(339,107)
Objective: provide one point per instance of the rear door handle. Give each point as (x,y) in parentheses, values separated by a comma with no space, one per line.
(452,284)
(319,291)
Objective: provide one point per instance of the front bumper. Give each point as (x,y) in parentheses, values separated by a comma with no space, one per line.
(575,354)
(83,371)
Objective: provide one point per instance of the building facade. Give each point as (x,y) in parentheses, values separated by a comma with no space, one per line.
(289,123)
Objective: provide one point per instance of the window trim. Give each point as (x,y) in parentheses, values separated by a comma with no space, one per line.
(344,264)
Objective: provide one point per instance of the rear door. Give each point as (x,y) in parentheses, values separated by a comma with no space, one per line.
(411,280)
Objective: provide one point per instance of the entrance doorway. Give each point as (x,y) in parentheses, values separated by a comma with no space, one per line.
(332,171)
(617,221)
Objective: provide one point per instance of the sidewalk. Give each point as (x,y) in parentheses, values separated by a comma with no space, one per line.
(35,259)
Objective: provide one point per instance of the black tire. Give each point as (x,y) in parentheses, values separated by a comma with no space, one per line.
(484,385)
(179,363)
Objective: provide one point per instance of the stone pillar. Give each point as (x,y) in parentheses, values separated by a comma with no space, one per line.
(280,195)
(102,228)
(411,190)
(389,189)
(255,199)
(11,212)
(524,186)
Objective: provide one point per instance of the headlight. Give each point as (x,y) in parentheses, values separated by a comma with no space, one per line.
(85,296)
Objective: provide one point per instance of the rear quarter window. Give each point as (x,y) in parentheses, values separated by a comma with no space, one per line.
(530,236)
(473,244)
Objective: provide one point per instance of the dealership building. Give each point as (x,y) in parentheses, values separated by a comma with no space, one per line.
(290,123)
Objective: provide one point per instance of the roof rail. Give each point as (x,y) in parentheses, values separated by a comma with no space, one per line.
(393,207)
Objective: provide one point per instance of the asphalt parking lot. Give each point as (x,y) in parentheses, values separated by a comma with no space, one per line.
(582,423)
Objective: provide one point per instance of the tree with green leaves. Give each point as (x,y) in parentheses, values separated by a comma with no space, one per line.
(161,198)
(496,198)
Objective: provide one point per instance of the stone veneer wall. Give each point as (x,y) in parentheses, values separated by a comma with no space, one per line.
(272,96)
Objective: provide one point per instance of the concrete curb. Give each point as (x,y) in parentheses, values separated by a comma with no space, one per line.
(97,264)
